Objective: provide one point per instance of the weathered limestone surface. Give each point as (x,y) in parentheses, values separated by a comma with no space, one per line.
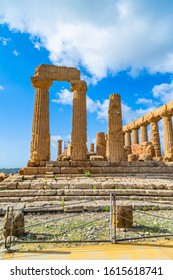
(59,147)
(100,144)
(40,145)
(17,224)
(145,148)
(127,138)
(155,137)
(59,73)
(168,135)
(92,148)
(124,217)
(115,133)
(135,136)
(143,133)
(79,135)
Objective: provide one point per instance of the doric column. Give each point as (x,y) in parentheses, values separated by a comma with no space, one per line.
(135,137)
(92,148)
(115,132)
(154,135)
(100,144)
(143,133)
(128,138)
(40,145)
(167,135)
(59,147)
(79,135)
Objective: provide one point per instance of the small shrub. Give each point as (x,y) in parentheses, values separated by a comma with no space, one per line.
(87,174)
(62,202)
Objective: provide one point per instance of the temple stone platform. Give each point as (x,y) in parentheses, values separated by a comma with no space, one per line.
(98,167)
(75,193)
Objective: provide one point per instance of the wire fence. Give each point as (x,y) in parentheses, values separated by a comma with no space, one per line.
(75,227)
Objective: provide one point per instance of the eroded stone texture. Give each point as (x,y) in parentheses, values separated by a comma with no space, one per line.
(92,148)
(59,148)
(17,224)
(124,216)
(59,73)
(115,133)
(79,135)
(40,145)
(100,144)
(135,136)
(128,138)
(168,135)
(144,150)
(143,133)
(155,137)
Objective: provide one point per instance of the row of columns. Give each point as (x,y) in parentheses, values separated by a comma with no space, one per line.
(132,137)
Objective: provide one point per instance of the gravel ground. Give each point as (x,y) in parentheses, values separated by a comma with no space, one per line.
(90,226)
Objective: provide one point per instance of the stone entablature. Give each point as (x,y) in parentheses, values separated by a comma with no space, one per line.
(167,108)
(57,73)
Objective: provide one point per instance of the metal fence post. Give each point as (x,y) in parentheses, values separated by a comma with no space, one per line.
(6,246)
(114,211)
(111,217)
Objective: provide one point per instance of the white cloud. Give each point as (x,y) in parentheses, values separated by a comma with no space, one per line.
(4,41)
(105,37)
(163,92)
(64,96)
(1,87)
(144,101)
(16,53)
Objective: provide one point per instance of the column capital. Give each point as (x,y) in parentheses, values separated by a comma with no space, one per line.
(60,140)
(40,82)
(154,119)
(166,114)
(78,85)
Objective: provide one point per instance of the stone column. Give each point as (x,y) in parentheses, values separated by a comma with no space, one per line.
(100,144)
(128,138)
(79,135)
(135,137)
(168,135)
(115,132)
(143,133)
(40,145)
(92,148)
(154,135)
(59,147)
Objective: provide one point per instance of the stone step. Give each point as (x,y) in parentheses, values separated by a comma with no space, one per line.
(73,206)
(83,184)
(149,168)
(84,192)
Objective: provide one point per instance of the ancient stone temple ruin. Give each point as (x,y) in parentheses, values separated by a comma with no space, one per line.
(122,149)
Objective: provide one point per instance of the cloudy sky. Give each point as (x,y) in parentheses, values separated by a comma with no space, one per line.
(120,46)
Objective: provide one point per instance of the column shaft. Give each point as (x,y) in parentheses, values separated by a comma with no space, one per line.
(143,134)
(100,144)
(135,137)
(59,147)
(40,145)
(168,136)
(155,137)
(79,135)
(115,132)
(92,148)
(127,138)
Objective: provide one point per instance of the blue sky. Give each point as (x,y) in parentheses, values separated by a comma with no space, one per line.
(120,46)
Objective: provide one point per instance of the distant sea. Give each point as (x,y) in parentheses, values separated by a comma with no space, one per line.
(9,170)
